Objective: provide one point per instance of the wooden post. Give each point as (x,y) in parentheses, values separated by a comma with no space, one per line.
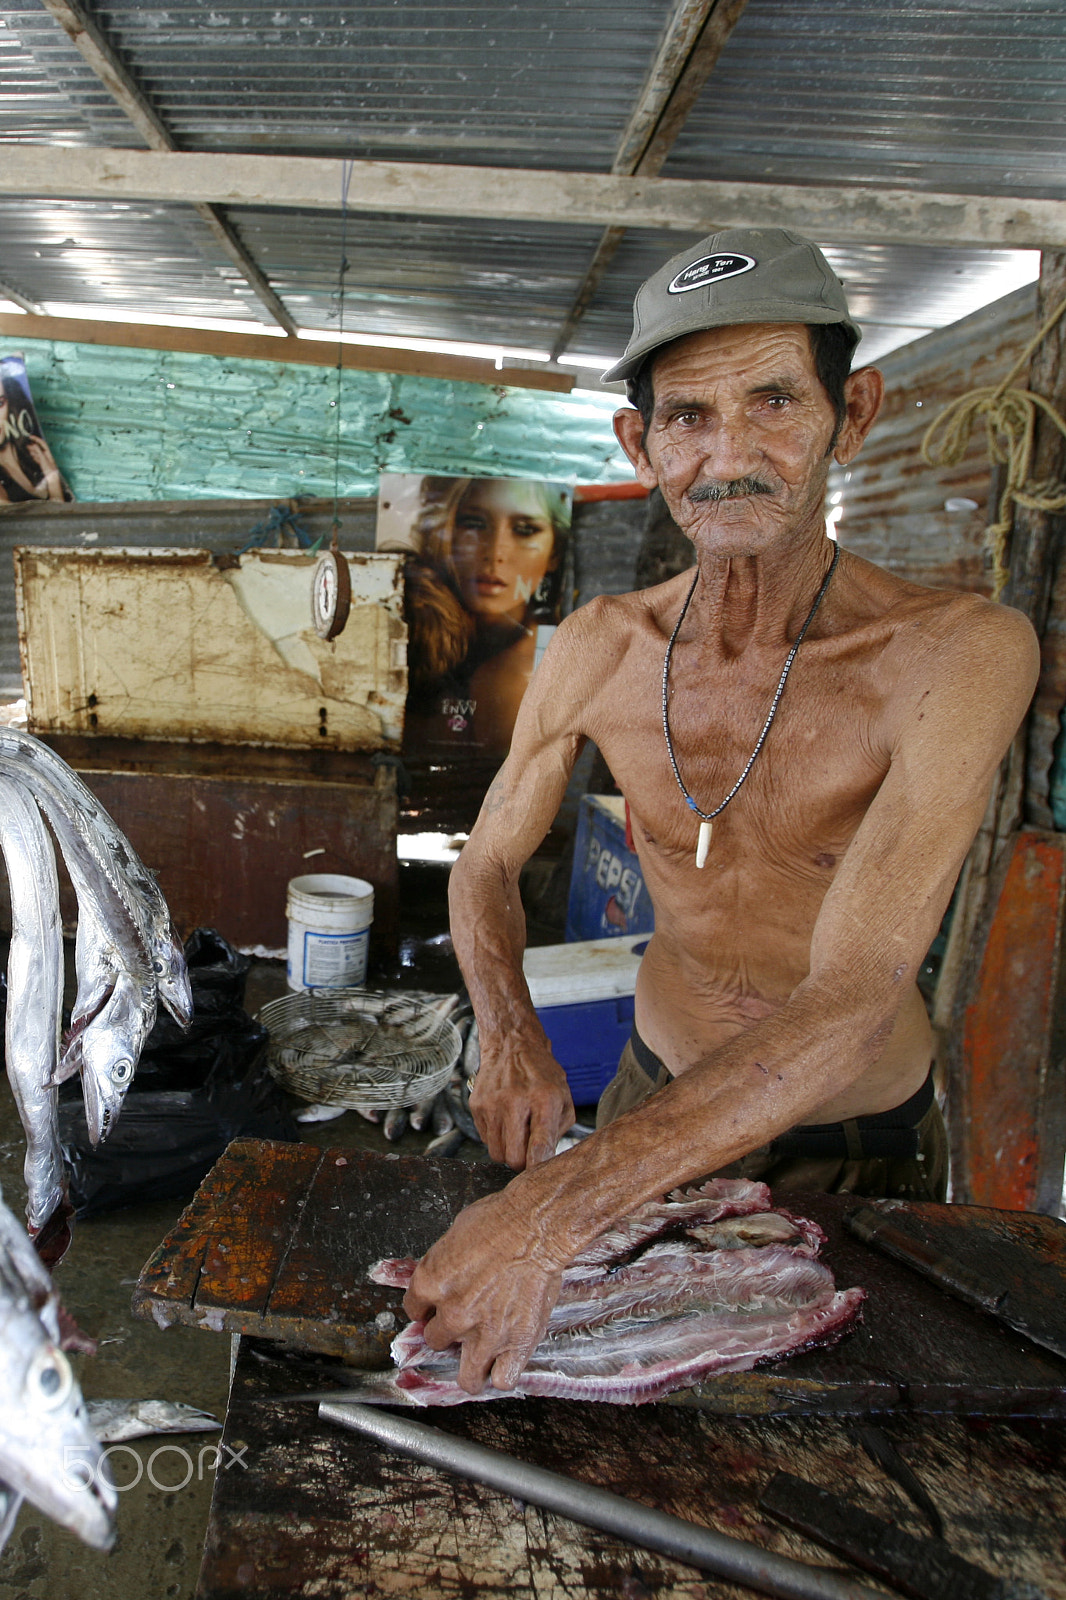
(1036,567)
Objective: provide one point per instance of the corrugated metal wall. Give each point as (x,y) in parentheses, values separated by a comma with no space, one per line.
(156,425)
(895,507)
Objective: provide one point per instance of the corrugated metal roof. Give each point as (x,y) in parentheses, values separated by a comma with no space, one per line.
(47,92)
(933,96)
(409,276)
(479,81)
(122,258)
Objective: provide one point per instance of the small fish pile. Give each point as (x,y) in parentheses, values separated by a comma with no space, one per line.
(711,1279)
(126,958)
(447,1114)
(48,1452)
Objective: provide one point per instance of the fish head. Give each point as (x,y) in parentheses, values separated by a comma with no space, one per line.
(103,1096)
(48,1451)
(172,979)
(108,1063)
(111,1046)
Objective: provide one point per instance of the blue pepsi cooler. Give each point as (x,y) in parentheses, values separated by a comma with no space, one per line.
(583,995)
(608,897)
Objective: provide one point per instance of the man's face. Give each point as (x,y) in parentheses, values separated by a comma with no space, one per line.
(739,440)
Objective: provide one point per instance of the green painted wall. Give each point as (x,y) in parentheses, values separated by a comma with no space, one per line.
(151,425)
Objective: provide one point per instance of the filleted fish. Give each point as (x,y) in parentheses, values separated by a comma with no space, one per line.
(708,1280)
(114,1420)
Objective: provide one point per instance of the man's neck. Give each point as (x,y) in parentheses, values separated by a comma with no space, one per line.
(745,600)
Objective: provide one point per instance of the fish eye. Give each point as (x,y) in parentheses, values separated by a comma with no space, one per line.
(49,1380)
(122,1071)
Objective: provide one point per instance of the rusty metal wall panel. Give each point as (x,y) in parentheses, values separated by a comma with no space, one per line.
(894,505)
(1013,1128)
(220,526)
(173,644)
(225,829)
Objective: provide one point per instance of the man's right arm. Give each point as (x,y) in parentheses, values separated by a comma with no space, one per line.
(521,1101)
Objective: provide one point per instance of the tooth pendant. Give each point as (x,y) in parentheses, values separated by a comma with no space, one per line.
(703,843)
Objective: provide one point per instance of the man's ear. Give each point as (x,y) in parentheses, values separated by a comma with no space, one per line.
(629,431)
(863,392)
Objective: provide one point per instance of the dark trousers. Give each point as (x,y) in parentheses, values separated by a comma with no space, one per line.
(831,1158)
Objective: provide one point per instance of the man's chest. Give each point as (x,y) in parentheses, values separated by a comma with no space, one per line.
(805,780)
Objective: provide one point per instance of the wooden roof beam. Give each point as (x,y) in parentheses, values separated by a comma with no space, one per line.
(858,213)
(95,49)
(258,346)
(17,298)
(694,40)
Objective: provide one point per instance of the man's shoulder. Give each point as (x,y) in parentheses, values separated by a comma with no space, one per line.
(620,617)
(954,620)
(612,623)
(967,651)
(968,626)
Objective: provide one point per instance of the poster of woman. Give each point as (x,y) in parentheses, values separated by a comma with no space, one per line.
(27,467)
(484,580)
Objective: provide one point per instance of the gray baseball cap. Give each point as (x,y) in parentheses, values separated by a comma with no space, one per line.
(737,275)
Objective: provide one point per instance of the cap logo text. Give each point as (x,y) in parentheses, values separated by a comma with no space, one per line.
(709,269)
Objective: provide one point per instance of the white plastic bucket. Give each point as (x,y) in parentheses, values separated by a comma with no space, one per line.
(329,930)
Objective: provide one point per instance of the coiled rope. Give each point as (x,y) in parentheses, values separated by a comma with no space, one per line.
(1010,417)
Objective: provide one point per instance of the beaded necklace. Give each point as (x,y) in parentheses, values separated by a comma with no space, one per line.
(703,843)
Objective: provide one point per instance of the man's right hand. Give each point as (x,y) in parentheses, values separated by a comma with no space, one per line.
(521,1104)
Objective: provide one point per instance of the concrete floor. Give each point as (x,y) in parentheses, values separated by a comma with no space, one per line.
(160,1533)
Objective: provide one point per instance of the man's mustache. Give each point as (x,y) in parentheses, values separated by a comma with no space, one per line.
(729,489)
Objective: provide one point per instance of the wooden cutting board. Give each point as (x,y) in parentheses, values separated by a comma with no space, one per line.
(278,1240)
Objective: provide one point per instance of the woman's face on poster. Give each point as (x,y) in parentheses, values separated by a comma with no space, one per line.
(502,546)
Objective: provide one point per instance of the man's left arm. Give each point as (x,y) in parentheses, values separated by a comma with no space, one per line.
(492,1279)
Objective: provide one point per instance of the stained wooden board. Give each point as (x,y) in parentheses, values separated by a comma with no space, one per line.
(279,1238)
(314,1511)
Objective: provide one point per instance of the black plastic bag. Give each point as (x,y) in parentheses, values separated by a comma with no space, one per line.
(194,1092)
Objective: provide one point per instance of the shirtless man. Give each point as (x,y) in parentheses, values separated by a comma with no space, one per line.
(778,991)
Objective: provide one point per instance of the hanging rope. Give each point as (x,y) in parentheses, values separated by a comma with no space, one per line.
(1010,417)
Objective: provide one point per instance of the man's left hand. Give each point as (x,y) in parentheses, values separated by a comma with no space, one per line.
(490,1285)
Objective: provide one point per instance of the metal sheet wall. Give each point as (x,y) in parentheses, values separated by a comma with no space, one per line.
(895,507)
(218,525)
(152,425)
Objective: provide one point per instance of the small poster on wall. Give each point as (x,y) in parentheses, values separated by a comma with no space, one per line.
(484,582)
(27,467)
